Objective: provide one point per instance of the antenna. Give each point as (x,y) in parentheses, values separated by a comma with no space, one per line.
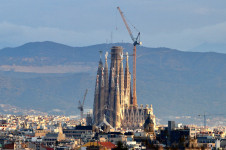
(111,37)
(100,53)
(205,116)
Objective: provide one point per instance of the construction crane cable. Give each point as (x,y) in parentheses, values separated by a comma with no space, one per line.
(126,24)
(135,42)
(84,97)
(131,24)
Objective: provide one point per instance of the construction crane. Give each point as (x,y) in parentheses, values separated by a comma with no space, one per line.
(81,105)
(136,41)
(204,119)
(205,115)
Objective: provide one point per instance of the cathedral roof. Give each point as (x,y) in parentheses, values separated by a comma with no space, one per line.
(149,120)
(104,122)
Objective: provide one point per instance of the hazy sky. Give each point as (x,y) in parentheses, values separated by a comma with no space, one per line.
(180,24)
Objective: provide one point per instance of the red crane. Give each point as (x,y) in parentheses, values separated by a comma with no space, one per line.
(136,41)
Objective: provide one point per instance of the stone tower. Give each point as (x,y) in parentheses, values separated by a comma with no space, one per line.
(127,82)
(95,104)
(106,83)
(113,100)
(116,85)
(149,127)
(109,91)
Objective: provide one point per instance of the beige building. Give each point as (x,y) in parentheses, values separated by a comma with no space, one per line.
(113,96)
(41,132)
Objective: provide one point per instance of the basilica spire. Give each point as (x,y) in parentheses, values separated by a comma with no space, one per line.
(117,104)
(127,71)
(127,82)
(101,99)
(121,84)
(111,96)
(96,105)
(96,100)
(106,90)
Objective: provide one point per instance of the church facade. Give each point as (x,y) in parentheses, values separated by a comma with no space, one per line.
(113,99)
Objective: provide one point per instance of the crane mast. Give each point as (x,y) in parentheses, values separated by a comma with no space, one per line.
(204,120)
(81,105)
(135,42)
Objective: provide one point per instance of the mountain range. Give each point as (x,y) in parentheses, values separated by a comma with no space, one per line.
(51,78)
(209,47)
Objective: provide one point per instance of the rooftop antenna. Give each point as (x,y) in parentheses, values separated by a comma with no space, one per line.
(111,37)
(100,53)
(204,120)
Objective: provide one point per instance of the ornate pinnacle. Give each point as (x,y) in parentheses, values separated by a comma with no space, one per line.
(117,80)
(127,56)
(121,55)
(102,71)
(106,56)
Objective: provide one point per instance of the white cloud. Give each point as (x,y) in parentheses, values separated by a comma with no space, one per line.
(56,110)
(182,117)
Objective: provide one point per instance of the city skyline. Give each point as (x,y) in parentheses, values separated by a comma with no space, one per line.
(59,59)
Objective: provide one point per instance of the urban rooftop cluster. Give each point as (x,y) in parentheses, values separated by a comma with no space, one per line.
(61,132)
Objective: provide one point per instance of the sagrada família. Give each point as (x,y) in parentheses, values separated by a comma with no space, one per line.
(113,101)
